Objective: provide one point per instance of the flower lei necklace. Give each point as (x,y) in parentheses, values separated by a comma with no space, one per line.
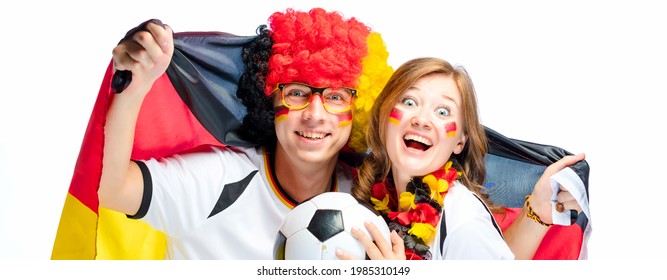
(418,211)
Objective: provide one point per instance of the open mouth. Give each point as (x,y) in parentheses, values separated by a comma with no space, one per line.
(312,135)
(417,142)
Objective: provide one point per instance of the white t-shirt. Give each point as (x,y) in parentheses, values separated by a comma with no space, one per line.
(222,204)
(472,232)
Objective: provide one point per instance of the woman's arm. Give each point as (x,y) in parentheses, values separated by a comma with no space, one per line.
(525,234)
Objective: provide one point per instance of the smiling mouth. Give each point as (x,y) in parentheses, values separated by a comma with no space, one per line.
(417,142)
(312,135)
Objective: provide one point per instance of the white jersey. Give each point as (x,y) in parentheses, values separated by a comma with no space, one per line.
(222,204)
(470,229)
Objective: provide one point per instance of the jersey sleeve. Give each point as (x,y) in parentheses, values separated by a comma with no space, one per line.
(184,188)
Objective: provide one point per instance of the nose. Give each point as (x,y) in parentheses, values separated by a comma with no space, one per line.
(315,110)
(421,120)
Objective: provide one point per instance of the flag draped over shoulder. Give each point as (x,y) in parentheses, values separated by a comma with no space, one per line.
(513,168)
(191,106)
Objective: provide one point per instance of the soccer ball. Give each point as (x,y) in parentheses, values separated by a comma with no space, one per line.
(314,229)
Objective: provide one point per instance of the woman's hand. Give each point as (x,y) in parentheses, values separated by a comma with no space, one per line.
(540,199)
(378,250)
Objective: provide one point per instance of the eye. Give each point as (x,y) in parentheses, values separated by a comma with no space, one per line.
(407,101)
(297,93)
(442,112)
(335,97)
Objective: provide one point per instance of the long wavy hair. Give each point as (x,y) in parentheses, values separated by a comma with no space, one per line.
(377,165)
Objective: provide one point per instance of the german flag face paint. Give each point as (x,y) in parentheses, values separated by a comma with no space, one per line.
(395,116)
(281,113)
(450,129)
(344,118)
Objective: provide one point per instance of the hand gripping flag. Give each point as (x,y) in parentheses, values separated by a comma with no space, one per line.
(513,167)
(191,106)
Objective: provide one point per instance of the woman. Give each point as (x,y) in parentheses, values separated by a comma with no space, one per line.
(427,160)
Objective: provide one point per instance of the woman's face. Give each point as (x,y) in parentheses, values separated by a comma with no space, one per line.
(426,126)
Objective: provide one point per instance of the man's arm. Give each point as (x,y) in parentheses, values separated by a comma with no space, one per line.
(146,54)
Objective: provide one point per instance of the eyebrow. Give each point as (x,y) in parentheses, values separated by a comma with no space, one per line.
(442,93)
(450,99)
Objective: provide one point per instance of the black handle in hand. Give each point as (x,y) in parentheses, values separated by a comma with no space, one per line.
(121,79)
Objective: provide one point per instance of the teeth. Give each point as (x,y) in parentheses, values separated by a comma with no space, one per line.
(418,139)
(312,135)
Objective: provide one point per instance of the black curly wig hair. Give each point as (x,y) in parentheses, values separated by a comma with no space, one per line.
(258,123)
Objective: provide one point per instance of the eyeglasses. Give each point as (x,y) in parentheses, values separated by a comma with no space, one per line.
(298,96)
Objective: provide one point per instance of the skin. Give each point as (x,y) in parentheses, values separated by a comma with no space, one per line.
(147,55)
(428,108)
(309,140)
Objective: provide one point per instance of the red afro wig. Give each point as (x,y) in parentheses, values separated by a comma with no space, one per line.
(319,48)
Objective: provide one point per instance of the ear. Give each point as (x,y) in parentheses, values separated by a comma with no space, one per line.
(276,99)
(461,144)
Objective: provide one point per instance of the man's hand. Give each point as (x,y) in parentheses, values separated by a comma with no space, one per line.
(146,54)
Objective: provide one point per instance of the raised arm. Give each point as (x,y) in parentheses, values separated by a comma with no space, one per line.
(146,54)
(524,235)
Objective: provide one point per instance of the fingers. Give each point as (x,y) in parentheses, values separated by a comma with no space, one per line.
(121,57)
(365,241)
(381,243)
(157,40)
(568,201)
(146,54)
(342,255)
(572,205)
(564,162)
(381,249)
(564,195)
(541,196)
(389,250)
(399,247)
(151,46)
(371,248)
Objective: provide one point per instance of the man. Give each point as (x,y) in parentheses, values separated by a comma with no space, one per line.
(228,203)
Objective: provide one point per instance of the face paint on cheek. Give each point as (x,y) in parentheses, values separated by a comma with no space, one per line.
(450,129)
(281,113)
(395,116)
(344,118)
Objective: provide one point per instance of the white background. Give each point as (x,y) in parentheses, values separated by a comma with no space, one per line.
(588,76)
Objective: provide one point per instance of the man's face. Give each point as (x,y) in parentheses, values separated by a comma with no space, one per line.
(311,134)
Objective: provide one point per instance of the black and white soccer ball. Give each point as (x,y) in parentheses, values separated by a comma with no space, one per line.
(314,229)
